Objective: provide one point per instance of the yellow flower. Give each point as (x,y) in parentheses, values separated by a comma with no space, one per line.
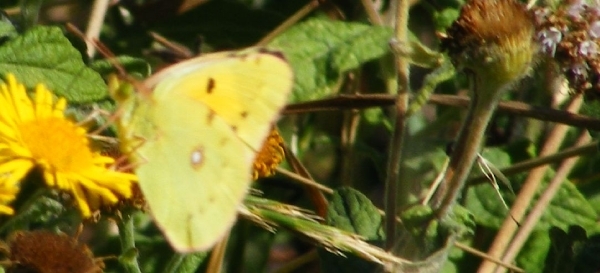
(270,156)
(35,133)
(8,192)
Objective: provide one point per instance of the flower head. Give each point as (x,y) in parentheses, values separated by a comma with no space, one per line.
(34,133)
(270,156)
(494,39)
(44,251)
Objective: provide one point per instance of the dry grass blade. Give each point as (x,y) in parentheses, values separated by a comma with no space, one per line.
(275,214)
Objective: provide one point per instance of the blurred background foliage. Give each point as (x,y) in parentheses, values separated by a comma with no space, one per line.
(334,50)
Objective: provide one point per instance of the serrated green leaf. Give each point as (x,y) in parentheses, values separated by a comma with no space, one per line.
(420,221)
(569,206)
(44,55)
(351,211)
(321,50)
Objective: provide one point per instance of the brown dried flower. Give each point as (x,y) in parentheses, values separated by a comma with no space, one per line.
(493,39)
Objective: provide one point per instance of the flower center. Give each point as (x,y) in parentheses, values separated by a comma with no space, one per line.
(58,143)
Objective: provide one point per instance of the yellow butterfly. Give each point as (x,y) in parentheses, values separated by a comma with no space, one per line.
(194,137)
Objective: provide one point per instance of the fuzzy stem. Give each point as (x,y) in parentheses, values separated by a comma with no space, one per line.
(128,258)
(471,136)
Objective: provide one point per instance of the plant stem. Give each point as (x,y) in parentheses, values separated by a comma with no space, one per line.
(396,141)
(471,136)
(308,8)
(128,258)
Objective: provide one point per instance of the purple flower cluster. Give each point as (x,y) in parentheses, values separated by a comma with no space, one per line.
(570,35)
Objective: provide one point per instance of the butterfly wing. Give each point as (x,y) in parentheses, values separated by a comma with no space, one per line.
(248,93)
(193,172)
(195,138)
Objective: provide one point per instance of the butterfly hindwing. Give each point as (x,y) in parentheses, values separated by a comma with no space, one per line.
(194,137)
(195,173)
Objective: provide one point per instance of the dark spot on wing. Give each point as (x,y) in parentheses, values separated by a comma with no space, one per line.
(244,114)
(223,141)
(211,116)
(234,128)
(210,86)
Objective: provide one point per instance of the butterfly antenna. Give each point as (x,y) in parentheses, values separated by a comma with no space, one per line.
(173,52)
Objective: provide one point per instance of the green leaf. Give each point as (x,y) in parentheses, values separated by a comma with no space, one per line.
(132,65)
(534,252)
(7,29)
(186,263)
(351,211)
(376,116)
(443,19)
(44,55)
(321,50)
(568,207)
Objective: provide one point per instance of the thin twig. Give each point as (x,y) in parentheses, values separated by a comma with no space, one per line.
(296,264)
(372,13)
(397,139)
(364,101)
(217,256)
(308,8)
(487,257)
(540,161)
(316,196)
(305,181)
(542,204)
(349,131)
(530,186)
(95,24)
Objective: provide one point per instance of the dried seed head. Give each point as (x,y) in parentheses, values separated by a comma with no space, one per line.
(47,252)
(494,39)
